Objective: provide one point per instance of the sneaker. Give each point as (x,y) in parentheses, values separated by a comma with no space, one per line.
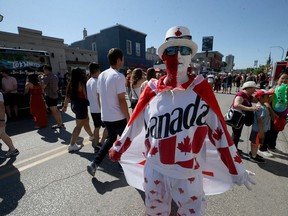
(265,153)
(91,169)
(10,153)
(73,147)
(91,138)
(58,126)
(257,155)
(257,159)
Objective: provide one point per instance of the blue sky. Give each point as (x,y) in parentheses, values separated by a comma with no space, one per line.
(244,28)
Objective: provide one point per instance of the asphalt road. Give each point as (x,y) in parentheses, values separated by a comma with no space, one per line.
(47,180)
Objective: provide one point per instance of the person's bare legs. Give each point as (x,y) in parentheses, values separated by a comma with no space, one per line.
(15,109)
(254,149)
(104,136)
(57,115)
(8,111)
(96,135)
(76,130)
(87,127)
(7,140)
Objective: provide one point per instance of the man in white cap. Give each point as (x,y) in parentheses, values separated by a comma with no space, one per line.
(178,121)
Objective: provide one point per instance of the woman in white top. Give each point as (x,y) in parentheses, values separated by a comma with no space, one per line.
(136,81)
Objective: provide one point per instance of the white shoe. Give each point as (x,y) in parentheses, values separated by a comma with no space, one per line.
(73,147)
(91,138)
(265,153)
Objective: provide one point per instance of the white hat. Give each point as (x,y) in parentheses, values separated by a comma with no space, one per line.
(178,36)
(249,84)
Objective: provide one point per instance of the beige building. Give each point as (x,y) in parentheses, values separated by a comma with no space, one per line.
(152,55)
(62,57)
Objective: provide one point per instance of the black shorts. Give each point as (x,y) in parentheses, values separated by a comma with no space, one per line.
(80,108)
(10,99)
(97,120)
(51,102)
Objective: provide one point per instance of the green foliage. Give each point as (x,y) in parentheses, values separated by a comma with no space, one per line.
(224,64)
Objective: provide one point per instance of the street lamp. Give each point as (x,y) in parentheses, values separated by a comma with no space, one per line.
(280,48)
(1,18)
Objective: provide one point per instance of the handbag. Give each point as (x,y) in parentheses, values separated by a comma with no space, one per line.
(249,118)
(134,101)
(234,118)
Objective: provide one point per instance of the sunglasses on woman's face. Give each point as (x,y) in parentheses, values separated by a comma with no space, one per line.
(170,51)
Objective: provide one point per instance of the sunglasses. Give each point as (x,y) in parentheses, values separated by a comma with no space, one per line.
(170,51)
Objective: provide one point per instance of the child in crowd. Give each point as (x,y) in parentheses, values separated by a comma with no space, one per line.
(260,126)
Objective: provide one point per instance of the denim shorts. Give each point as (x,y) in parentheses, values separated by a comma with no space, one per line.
(254,138)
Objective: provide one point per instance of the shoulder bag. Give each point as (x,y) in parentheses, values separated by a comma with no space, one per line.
(234,118)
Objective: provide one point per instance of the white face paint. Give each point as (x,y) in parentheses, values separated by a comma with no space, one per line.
(183,64)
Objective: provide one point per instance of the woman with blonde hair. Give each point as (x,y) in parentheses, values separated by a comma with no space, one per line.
(136,82)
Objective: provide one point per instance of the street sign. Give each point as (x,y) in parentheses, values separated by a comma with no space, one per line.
(207,43)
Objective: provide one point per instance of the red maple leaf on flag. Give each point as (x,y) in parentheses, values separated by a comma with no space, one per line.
(191,180)
(156,182)
(185,146)
(180,190)
(154,150)
(194,198)
(192,211)
(218,133)
(237,158)
(196,165)
(118,143)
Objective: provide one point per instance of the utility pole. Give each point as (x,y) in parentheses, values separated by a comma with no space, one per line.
(280,48)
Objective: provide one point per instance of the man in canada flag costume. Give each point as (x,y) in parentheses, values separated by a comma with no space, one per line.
(176,144)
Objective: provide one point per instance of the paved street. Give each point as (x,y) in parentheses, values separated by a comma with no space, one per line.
(46,180)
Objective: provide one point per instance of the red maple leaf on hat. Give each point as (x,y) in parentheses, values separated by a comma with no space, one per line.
(217,134)
(178,33)
(185,146)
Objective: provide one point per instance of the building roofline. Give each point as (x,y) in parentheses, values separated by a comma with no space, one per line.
(212,52)
(117,24)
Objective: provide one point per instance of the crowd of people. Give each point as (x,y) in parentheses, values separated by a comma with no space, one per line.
(176,126)
(224,82)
